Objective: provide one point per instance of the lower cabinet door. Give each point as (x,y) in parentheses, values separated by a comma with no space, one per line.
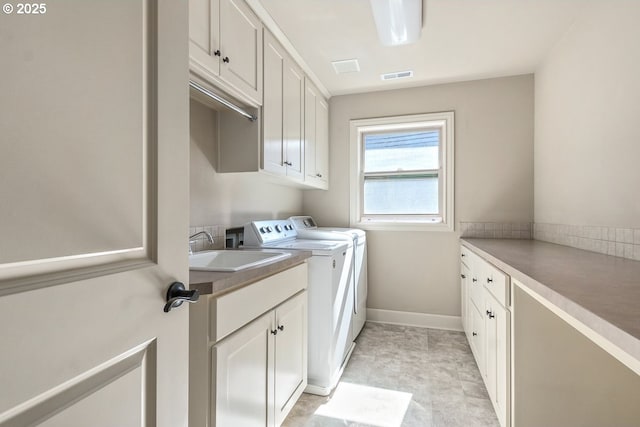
(491,335)
(243,376)
(498,357)
(464,292)
(478,339)
(290,354)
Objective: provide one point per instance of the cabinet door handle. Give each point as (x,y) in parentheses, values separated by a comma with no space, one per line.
(490,314)
(463,276)
(217,52)
(281,327)
(225,59)
(288,163)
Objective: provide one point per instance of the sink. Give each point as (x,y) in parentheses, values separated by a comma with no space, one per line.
(234,260)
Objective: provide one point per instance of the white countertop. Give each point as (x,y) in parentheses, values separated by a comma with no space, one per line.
(599,291)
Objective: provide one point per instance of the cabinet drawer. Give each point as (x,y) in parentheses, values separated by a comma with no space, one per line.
(231,311)
(497,283)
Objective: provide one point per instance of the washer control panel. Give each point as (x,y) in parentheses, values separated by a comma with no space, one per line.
(258,233)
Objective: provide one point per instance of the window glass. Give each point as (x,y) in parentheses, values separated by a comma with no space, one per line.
(404,195)
(401,151)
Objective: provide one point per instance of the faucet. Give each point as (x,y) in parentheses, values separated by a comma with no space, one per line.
(205,233)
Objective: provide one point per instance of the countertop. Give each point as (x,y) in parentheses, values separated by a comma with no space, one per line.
(219,283)
(602,292)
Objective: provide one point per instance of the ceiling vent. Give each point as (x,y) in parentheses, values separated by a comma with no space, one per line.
(397,75)
(346,66)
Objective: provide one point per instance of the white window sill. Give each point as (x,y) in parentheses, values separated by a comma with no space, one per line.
(402,226)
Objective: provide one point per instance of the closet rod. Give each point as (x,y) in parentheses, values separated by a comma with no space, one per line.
(222,101)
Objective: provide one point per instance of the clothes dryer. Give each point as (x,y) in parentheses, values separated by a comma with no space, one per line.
(307,228)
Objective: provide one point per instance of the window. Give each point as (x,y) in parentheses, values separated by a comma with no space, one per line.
(402,172)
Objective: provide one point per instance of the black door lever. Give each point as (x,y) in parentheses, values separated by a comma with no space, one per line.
(177,294)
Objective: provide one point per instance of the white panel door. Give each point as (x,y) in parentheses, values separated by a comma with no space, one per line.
(93,218)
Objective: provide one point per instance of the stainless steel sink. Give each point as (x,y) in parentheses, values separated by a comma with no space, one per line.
(235,260)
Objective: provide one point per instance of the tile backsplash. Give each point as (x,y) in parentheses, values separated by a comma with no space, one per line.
(496,230)
(620,242)
(201,243)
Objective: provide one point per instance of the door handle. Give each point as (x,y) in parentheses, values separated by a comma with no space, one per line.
(177,294)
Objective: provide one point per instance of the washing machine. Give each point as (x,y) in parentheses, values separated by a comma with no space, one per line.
(308,229)
(330,298)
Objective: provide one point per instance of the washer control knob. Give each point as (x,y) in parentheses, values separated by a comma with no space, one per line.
(263,230)
(269,229)
(279,228)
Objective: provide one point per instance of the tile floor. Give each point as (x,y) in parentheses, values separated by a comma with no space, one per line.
(401,376)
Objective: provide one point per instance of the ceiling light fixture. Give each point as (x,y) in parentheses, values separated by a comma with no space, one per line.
(398,21)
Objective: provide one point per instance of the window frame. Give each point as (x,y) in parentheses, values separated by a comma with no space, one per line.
(444,121)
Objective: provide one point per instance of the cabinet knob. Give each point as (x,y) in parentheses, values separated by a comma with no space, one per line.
(475,334)
(225,59)
(274,331)
(463,276)
(319,175)
(474,280)
(217,52)
(281,327)
(490,314)
(288,163)
(489,280)
(464,255)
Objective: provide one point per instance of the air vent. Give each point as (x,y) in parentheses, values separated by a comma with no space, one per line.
(398,75)
(346,66)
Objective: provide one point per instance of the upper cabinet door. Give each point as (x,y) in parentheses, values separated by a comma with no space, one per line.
(316,142)
(293,105)
(282,131)
(241,48)
(204,36)
(272,126)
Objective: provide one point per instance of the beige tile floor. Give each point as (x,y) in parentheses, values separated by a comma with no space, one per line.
(401,376)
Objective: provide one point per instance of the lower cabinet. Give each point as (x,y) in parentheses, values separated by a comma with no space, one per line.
(248,353)
(487,322)
(260,370)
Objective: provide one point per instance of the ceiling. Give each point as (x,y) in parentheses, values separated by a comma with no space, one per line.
(461,39)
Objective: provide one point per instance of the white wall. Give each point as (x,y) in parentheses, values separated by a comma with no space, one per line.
(418,272)
(229,199)
(587,137)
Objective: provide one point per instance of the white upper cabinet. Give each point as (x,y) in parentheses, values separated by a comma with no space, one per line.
(283,145)
(225,47)
(316,137)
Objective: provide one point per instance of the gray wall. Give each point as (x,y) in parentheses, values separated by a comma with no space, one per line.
(418,271)
(587,138)
(229,199)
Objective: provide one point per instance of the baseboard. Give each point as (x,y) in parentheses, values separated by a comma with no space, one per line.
(406,318)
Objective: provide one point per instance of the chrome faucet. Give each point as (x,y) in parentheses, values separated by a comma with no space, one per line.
(199,233)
